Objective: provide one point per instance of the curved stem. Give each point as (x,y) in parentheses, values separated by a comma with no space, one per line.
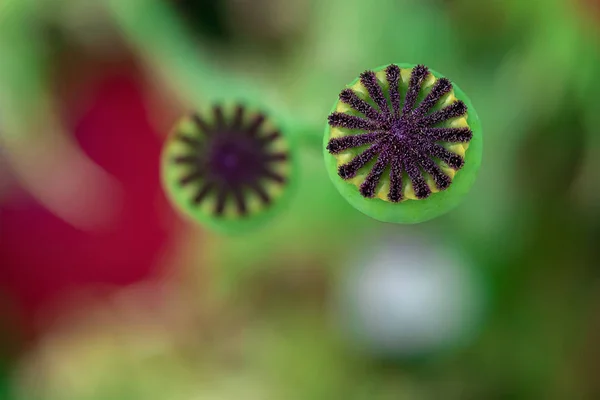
(157,33)
(310,138)
(155,30)
(43,156)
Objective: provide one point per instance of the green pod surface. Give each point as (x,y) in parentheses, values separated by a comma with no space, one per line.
(382,185)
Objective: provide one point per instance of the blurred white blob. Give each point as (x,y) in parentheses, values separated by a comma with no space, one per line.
(407,297)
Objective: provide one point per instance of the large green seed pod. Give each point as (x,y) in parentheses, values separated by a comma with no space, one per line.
(229,168)
(403,144)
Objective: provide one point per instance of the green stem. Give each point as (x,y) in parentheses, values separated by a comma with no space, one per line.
(310,139)
(23,84)
(155,30)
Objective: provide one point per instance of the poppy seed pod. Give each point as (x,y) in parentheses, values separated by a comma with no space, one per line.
(229,169)
(403,144)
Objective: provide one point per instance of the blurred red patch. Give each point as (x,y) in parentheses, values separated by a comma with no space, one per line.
(42,258)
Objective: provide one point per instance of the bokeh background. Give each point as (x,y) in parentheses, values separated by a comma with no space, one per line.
(106,292)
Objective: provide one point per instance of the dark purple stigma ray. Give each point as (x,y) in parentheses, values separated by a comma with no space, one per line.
(276,157)
(240,201)
(190,159)
(349,97)
(271,137)
(252,130)
(455,109)
(369,81)
(411,167)
(193,176)
(219,117)
(405,140)
(273,176)
(222,194)
(417,76)
(202,124)
(349,170)
(342,120)
(339,144)
(232,160)
(368,187)
(395,195)
(260,191)
(452,135)
(435,150)
(203,192)
(193,142)
(238,118)
(441,88)
(441,180)
(392,74)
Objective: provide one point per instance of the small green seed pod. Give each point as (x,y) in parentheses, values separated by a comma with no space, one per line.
(230,169)
(403,144)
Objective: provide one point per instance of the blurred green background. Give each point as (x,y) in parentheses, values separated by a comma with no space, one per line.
(107,293)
